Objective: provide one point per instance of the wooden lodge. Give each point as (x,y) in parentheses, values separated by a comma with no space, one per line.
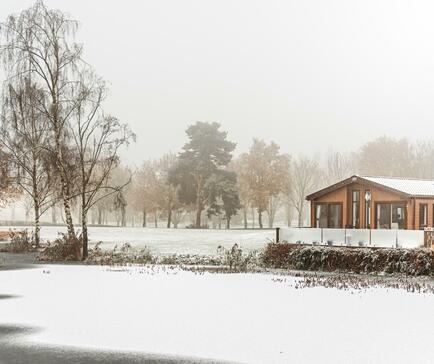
(374,203)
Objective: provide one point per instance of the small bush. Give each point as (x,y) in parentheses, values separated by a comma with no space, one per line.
(20,242)
(236,260)
(62,249)
(126,254)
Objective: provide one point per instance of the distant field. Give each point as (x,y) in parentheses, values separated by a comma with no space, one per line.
(168,241)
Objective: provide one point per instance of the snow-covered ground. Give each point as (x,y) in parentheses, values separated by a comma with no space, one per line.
(168,241)
(250,318)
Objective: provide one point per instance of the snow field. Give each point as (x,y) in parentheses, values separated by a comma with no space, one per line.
(249,318)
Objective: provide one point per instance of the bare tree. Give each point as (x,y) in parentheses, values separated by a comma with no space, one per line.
(386,156)
(25,134)
(305,177)
(241,168)
(39,40)
(339,166)
(265,173)
(96,141)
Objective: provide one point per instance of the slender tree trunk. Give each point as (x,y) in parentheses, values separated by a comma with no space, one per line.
(253,218)
(53,215)
(156,218)
(124,217)
(228,223)
(99,216)
(37,222)
(63,179)
(245,217)
(270,219)
(198,212)
(260,219)
(144,218)
(300,216)
(288,215)
(169,218)
(36,203)
(84,233)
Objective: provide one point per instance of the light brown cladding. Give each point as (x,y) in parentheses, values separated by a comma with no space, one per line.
(344,195)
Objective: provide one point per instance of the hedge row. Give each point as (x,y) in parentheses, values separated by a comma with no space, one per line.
(413,262)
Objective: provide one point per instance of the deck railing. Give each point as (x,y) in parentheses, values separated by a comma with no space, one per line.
(352,237)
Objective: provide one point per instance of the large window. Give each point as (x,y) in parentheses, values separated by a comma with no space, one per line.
(328,215)
(356,209)
(367,209)
(390,216)
(423,215)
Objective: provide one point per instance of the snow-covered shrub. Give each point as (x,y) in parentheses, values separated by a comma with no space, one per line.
(20,242)
(126,254)
(412,262)
(62,249)
(236,260)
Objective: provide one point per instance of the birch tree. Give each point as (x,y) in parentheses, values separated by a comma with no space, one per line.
(40,40)
(25,134)
(96,139)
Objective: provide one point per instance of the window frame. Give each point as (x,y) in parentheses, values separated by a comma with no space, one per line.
(391,203)
(368,207)
(329,204)
(423,206)
(358,204)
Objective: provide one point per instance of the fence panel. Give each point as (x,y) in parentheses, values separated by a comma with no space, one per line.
(354,237)
(300,235)
(333,237)
(383,238)
(410,238)
(358,237)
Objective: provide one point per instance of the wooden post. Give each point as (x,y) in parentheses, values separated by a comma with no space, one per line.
(428,238)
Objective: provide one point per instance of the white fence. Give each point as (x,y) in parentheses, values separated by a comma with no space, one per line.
(353,237)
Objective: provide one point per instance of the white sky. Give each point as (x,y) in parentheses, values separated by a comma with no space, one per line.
(310,75)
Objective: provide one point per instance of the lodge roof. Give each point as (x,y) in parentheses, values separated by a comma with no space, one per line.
(410,187)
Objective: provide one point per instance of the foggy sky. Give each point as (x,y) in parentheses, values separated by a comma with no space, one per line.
(310,75)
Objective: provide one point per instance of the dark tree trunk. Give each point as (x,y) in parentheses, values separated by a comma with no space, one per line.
(245,217)
(37,223)
(228,223)
(198,213)
(156,219)
(36,204)
(144,218)
(124,217)
(53,215)
(99,216)
(169,218)
(260,219)
(84,236)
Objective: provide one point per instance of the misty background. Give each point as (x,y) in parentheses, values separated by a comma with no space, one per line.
(312,76)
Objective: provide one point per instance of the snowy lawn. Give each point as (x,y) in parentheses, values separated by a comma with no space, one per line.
(250,318)
(168,241)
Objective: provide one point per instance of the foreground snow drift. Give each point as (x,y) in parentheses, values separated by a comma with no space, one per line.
(252,318)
